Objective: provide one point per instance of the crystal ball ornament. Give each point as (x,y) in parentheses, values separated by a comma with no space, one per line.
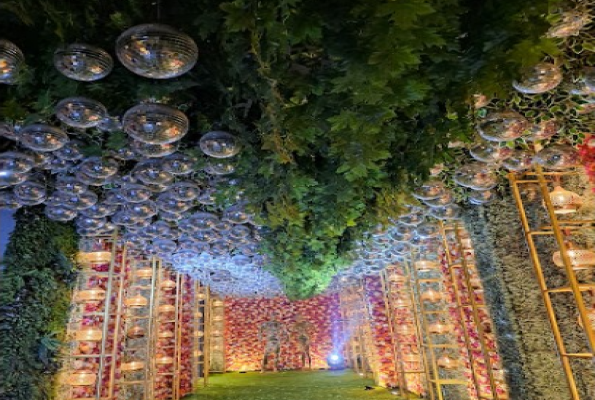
(12,61)
(42,137)
(83,62)
(30,193)
(155,123)
(558,157)
(80,112)
(219,144)
(541,78)
(156,51)
(502,126)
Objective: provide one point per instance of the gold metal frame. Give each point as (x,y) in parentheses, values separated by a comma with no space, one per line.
(430,345)
(542,179)
(404,389)
(460,290)
(200,363)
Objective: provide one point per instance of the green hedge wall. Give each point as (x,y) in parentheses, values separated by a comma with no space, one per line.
(524,336)
(35,289)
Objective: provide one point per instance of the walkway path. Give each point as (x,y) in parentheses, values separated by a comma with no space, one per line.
(295,385)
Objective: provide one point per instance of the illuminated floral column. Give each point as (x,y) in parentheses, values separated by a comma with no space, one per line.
(380,331)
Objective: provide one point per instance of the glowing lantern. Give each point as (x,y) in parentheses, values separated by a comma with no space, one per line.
(579,258)
(144,273)
(199,333)
(432,296)
(168,284)
(163,359)
(198,314)
(166,308)
(439,328)
(88,334)
(197,353)
(132,366)
(165,334)
(95,257)
(82,377)
(218,303)
(426,265)
(447,362)
(218,318)
(136,332)
(89,295)
(565,201)
(137,301)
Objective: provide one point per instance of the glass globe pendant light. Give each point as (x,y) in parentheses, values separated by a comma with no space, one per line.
(156,51)
(83,62)
(11,62)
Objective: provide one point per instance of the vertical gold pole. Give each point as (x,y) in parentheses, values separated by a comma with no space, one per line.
(543,285)
(106,316)
(118,318)
(207,330)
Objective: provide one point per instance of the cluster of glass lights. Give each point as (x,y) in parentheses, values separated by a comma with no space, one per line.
(158,204)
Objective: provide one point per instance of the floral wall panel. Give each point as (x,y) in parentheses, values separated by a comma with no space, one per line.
(245,315)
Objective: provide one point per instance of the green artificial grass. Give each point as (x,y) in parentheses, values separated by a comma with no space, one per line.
(294,385)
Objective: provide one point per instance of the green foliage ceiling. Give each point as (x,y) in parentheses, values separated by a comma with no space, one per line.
(341,103)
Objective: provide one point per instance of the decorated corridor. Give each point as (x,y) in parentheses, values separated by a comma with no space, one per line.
(316,385)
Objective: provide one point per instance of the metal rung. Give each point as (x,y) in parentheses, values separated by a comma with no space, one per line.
(449,381)
(445,346)
(583,287)
(578,355)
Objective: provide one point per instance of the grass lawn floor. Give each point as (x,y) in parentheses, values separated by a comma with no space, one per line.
(294,385)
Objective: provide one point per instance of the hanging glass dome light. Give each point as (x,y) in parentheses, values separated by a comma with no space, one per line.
(179,164)
(71,151)
(219,144)
(8,131)
(429,190)
(482,197)
(449,212)
(11,62)
(184,191)
(156,51)
(490,152)
(502,126)
(60,213)
(30,193)
(8,200)
(80,112)
(155,123)
(154,150)
(558,157)
(541,131)
(519,161)
(42,137)
(150,172)
(83,62)
(135,193)
(540,78)
(476,176)
(579,258)
(220,167)
(98,167)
